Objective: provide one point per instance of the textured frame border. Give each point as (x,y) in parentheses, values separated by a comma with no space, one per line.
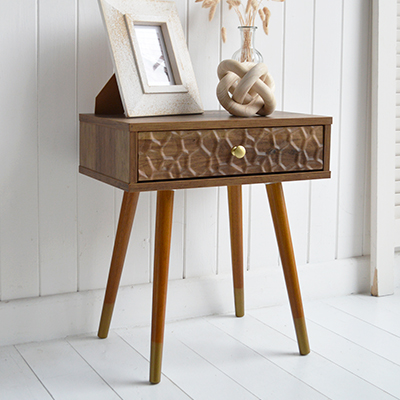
(137,100)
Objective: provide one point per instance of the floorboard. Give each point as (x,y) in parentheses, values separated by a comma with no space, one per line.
(17,380)
(382,312)
(355,354)
(372,338)
(64,373)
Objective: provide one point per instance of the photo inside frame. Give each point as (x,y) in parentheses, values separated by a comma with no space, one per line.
(154,55)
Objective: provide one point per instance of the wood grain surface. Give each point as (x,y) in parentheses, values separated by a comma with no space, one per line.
(207,153)
(105,150)
(207,120)
(195,150)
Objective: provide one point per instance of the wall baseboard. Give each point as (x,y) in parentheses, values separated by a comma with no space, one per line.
(51,317)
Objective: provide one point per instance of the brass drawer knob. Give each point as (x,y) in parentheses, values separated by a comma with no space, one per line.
(238,151)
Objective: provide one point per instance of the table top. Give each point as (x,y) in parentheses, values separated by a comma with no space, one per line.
(187,151)
(207,120)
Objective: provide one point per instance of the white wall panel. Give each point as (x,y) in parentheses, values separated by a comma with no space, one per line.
(298,56)
(297,96)
(272,47)
(326,101)
(57,146)
(137,261)
(297,197)
(95,199)
(224,263)
(201,232)
(354,130)
(204,47)
(263,249)
(95,233)
(230,21)
(19,268)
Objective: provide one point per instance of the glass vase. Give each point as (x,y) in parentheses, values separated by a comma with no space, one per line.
(247,51)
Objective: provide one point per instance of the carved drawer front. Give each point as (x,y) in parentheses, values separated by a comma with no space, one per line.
(207,153)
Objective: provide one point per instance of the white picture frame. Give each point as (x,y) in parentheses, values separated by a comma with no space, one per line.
(151,61)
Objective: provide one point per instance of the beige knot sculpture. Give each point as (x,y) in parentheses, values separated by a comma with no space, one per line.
(251,86)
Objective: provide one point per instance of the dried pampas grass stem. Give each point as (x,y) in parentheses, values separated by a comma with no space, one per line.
(223,34)
(246,13)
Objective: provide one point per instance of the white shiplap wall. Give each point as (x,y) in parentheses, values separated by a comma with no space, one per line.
(57,227)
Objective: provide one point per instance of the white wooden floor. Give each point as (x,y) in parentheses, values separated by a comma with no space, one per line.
(355,344)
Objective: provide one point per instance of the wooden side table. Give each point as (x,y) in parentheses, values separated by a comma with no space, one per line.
(190,151)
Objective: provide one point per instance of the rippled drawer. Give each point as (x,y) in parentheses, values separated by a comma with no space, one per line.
(186,154)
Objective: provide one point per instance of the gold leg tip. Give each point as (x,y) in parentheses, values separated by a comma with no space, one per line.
(239,302)
(302,337)
(239,314)
(155,362)
(105,320)
(304,352)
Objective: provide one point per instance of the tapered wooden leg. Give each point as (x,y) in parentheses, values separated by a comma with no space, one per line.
(236,230)
(127,214)
(165,202)
(283,237)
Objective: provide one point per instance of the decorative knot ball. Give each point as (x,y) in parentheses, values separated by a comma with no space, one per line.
(245,89)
